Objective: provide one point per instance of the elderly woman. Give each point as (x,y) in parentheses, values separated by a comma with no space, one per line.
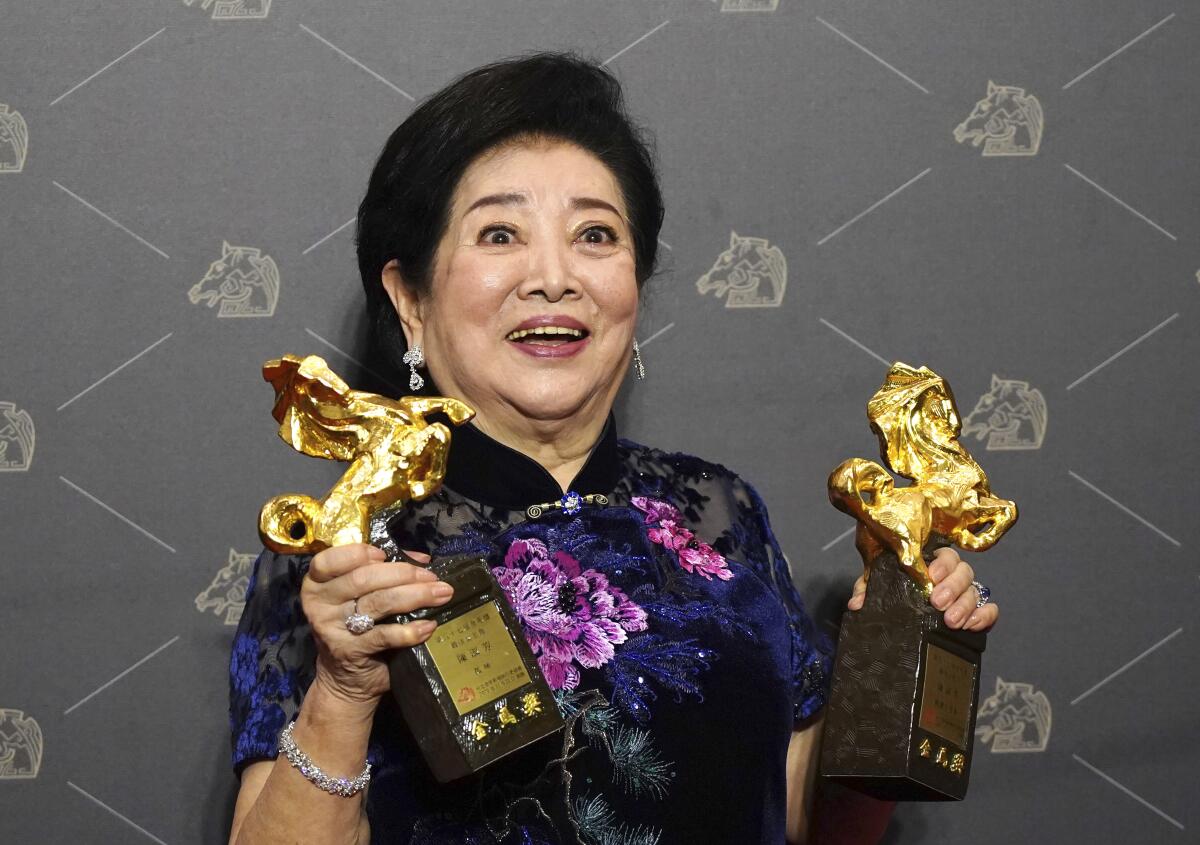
(506,234)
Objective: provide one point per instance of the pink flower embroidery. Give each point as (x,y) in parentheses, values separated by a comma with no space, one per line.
(571,617)
(666,530)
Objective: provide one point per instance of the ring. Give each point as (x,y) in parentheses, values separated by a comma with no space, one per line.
(985,594)
(359,623)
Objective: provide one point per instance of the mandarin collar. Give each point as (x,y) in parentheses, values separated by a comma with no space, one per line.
(486,470)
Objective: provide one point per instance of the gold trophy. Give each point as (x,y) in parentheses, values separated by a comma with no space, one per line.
(473,691)
(901,713)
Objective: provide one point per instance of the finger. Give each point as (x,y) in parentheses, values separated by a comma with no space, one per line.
(404,599)
(943,563)
(953,586)
(371,577)
(338,560)
(384,637)
(982,618)
(956,615)
(859,594)
(419,557)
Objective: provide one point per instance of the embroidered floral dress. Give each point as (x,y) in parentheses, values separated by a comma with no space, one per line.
(666,622)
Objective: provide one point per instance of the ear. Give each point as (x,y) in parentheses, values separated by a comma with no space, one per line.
(405,301)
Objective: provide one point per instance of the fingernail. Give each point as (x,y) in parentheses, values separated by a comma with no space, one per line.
(953,616)
(424,627)
(940,596)
(974,617)
(425,575)
(441,589)
(376,553)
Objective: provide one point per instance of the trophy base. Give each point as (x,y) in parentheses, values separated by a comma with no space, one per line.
(901,713)
(472,693)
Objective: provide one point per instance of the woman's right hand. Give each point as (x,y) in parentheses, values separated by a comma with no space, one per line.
(352,666)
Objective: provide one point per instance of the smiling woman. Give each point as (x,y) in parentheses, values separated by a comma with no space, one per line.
(507,230)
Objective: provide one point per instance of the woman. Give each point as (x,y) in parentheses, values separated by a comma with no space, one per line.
(506,233)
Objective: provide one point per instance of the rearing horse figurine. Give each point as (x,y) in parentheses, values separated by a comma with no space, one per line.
(915,417)
(395,454)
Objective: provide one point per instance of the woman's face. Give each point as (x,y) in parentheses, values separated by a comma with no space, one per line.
(537,239)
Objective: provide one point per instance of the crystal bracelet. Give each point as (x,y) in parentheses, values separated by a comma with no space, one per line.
(344,787)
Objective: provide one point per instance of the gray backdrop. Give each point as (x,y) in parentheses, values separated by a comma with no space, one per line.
(823,220)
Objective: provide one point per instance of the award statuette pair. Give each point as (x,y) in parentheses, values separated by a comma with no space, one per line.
(905,688)
(473,691)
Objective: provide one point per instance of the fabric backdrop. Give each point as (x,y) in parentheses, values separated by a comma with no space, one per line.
(1003,191)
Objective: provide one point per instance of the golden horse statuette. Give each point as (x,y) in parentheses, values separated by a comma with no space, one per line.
(917,422)
(395,454)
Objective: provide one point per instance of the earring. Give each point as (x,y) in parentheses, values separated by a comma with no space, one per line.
(414,357)
(638,367)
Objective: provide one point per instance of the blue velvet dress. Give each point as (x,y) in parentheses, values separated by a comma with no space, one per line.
(666,621)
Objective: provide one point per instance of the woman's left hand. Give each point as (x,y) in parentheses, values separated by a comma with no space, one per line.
(953,593)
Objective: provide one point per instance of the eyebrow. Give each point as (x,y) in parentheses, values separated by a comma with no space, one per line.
(577,203)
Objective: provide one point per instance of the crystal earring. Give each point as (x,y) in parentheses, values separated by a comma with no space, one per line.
(638,367)
(414,357)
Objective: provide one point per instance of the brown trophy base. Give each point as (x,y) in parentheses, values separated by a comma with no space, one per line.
(472,693)
(901,713)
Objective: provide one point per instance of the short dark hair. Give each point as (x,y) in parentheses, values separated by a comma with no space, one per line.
(551,95)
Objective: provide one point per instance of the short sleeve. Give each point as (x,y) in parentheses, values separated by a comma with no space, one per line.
(272,660)
(753,540)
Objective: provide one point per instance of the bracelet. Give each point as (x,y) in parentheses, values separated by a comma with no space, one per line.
(336,786)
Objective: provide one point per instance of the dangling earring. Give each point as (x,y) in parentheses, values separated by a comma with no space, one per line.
(638,367)
(414,357)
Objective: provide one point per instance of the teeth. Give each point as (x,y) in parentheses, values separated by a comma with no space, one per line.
(545,330)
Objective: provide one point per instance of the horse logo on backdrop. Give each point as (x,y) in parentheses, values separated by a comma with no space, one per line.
(1011,416)
(749,5)
(226,595)
(1014,718)
(753,273)
(243,280)
(20,745)
(16,438)
(234,10)
(1008,122)
(14,140)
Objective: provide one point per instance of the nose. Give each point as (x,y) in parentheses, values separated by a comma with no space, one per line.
(550,272)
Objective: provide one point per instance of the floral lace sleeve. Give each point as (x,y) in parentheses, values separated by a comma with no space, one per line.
(751,539)
(273,656)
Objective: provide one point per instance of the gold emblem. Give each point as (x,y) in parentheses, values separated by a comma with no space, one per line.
(14,140)
(243,281)
(226,595)
(20,745)
(16,438)
(395,454)
(916,419)
(1007,122)
(752,272)
(1012,415)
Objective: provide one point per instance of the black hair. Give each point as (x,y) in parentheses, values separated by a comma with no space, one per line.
(551,95)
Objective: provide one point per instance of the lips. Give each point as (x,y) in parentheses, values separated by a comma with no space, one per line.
(549,336)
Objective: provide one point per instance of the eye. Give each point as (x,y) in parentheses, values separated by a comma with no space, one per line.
(591,232)
(506,231)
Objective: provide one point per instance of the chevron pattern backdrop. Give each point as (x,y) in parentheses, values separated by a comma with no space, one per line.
(1003,191)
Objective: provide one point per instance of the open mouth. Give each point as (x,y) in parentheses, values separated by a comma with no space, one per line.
(547,336)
